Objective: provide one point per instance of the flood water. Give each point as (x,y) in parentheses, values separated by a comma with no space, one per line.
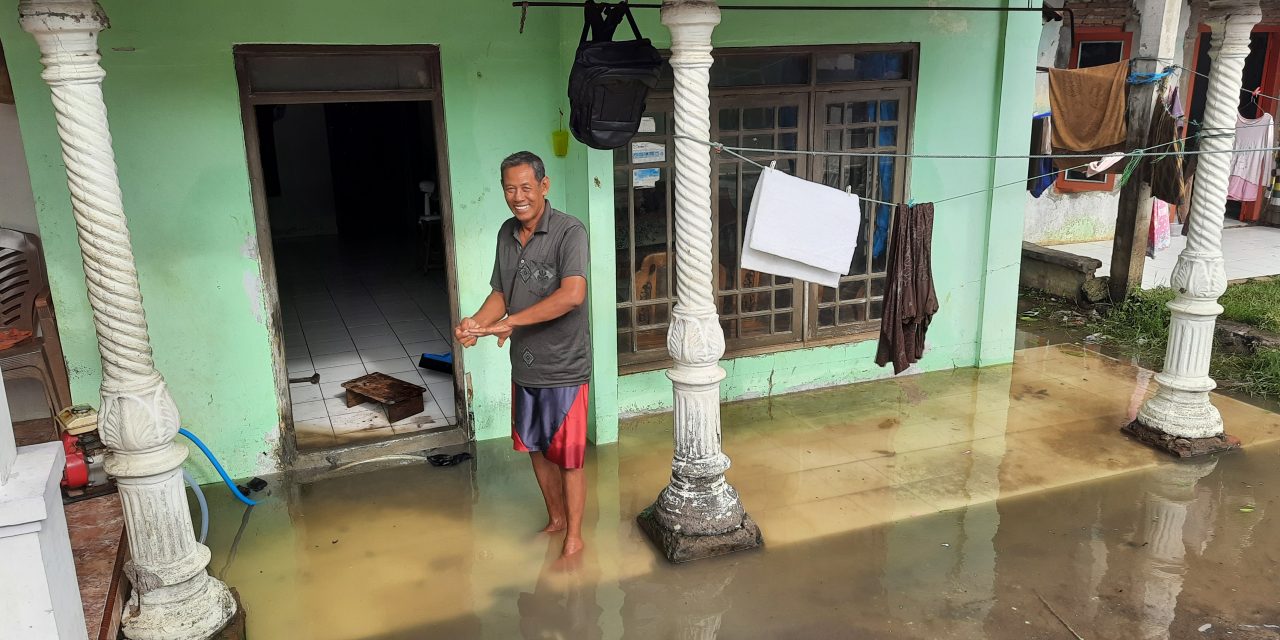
(920,507)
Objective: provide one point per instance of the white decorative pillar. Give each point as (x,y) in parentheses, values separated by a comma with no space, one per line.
(173,596)
(698,514)
(1179,418)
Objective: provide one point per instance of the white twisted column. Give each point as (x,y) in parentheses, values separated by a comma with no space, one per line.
(173,596)
(698,514)
(1180,418)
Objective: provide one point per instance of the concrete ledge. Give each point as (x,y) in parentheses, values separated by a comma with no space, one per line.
(1062,274)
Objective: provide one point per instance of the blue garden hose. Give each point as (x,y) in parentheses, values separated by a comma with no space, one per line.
(216,465)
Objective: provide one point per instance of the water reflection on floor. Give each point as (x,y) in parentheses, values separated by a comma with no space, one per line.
(963,504)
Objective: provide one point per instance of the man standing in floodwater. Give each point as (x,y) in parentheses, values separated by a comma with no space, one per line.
(539,286)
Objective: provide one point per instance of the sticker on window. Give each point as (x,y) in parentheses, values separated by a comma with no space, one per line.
(644,152)
(645,178)
(648,125)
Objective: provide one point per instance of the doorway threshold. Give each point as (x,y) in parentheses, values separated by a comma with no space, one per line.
(443,436)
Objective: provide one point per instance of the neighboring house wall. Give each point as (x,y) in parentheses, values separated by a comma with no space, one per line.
(175,114)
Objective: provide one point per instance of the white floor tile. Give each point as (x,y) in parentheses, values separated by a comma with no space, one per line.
(382,353)
(411,326)
(442,392)
(375,342)
(394,365)
(300,393)
(340,374)
(359,421)
(411,377)
(299,366)
(328,334)
(420,335)
(372,330)
(330,390)
(330,360)
(330,346)
(363,319)
(308,410)
(431,346)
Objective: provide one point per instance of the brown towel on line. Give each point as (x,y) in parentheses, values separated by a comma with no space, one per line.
(909,297)
(1088,110)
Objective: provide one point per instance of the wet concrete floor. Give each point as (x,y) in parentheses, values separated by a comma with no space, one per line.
(993,503)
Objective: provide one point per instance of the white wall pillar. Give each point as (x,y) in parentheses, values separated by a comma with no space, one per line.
(698,514)
(1180,418)
(173,596)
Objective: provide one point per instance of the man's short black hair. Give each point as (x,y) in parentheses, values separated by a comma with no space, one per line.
(526,157)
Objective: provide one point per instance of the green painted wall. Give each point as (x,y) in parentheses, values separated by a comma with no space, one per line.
(175,116)
(171,91)
(973,96)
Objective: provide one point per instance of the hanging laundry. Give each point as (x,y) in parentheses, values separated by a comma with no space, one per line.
(1165,173)
(1088,108)
(1275,183)
(1249,167)
(800,229)
(909,297)
(1158,229)
(1040,173)
(1102,164)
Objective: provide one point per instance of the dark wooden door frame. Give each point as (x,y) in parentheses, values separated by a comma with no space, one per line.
(249,99)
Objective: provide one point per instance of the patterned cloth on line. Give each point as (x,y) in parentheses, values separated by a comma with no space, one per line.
(909,297)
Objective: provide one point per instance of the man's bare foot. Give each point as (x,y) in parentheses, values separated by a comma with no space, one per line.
(553,526)
(572,546)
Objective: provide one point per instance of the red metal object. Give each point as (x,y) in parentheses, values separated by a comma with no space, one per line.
(76,475)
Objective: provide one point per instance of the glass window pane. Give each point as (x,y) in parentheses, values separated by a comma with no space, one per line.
(779,281)
(758,118)
(782,299)
(728,305)
(624,318)
(760,69)
(888,109)
(755,302)
(730,328)
(853,289)
(782,323)
(652,242)
(877,287)
(761,141)
(1095,53)
(651,314)
(650,339)
(624,342)
(858,138)
(888,136)
(827,317)
(788,117)
(835,114)
(754,326)
(856,67)
(851,313)
(826,294)
(728,119)
(622,231)
(365,72)
(856,112)
(659,122)
(787,141)
(728,216)
(833,141)
(877,310)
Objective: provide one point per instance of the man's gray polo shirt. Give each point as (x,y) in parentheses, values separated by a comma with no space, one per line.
(555,353)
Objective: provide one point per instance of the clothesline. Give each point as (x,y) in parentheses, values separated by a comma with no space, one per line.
(1143,152)
(951,156)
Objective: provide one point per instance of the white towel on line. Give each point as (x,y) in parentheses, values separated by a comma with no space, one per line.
(800,229)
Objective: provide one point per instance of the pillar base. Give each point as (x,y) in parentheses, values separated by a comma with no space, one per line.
(679,547)
(235,629)
(1178,446)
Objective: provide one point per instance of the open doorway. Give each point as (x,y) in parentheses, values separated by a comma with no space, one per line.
(351,188)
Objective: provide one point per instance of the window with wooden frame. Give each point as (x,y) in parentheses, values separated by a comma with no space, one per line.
(788,99)
(1095,46)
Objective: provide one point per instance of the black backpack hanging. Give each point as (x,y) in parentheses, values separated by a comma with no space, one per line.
(610,80)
